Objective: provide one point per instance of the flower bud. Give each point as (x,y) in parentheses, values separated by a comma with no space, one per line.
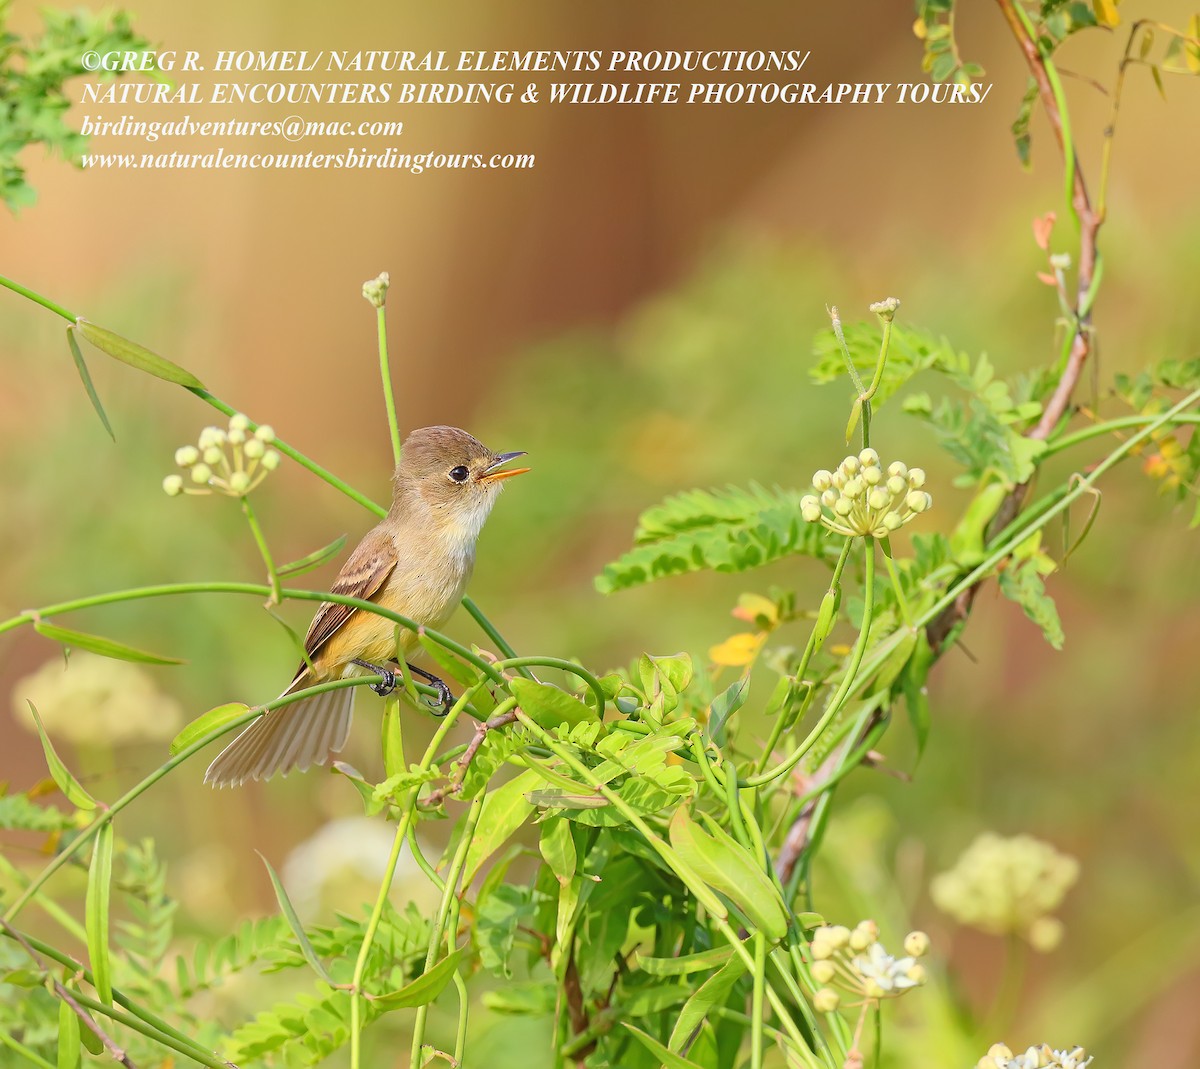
(1045,934)
(254,449)
(916,478)
(270,460)
(828,497)
(239,421)
(237,436)
(918,500)
(860,940)
(916,944)
(186,455)
(843,506)
(823,971)
(916,972)
(239,482)
(898,467)
(873,989)
(211,436)
(869,928)
(879,498)
(897,486)
(892,521)
(822,479)
(265,433)
(821,949)
(213,455)
(838,936)
(854,488)
(869,458)
(872,476)
(173,485)
(826,1000)
(851,465)
(201,474)
(375,290)
(810,508)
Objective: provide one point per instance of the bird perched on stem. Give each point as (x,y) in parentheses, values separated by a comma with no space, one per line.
(416,562)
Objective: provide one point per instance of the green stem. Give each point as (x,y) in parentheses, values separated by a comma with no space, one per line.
(87,834)
(166,589)
(489,629)
(699,889)
(850,679)
(68,923)
(152,1019)
(406,820)
(263,549)
(894,576)
(783,722)
(20,1048)
(324,474)
(37,298)
(1098,430)
(385,375)
(138,1025)
(438,931)
(563,666)
(756,1000)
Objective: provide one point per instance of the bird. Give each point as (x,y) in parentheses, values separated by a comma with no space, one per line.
(415,562)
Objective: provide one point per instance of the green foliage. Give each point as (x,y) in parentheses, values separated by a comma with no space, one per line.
(728,530)
(1024,585)
(33,78)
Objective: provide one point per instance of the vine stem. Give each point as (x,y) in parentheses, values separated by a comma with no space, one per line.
(385,887)
(850,678)
(385,375)
(444,913)
(676,863)
(263,549)
(783,722)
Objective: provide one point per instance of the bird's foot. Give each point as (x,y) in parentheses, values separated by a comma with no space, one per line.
(445,698)
(386,685)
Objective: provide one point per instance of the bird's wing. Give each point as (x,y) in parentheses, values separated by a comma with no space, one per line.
(364,573)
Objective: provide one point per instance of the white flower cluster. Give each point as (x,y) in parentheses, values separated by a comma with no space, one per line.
(857,962)
(231,462)
(1011,885)
(860,498)
(1043,1057)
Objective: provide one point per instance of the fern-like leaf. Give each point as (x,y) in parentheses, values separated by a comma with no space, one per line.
(730,530)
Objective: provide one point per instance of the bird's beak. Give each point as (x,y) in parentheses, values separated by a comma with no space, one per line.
(493,471)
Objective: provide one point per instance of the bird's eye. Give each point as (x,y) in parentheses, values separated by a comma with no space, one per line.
(459,474)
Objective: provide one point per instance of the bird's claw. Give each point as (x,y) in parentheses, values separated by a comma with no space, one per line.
(386,685)
(445,698)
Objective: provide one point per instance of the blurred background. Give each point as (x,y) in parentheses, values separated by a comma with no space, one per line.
(637,312)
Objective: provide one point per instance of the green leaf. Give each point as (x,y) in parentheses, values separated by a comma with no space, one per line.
(289,913)
(206,724)
(371,804)
(69,1054)
(105,647)
(67,783)
(135,355)
(548,706)
(728,530)
(724,705)
(504,810)
(713,992)
(916,696)
(557,798)
(688,963)
(88,385)
(557,847)
(425,988)
(668,1058)
(1024,586)
(726,866)
(451,665)
(23,978)
(96,911)
(525,998)
(312,561)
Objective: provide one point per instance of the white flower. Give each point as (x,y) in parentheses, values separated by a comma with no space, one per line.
(891,974)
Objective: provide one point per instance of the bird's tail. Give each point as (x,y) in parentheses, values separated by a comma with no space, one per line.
(293,736)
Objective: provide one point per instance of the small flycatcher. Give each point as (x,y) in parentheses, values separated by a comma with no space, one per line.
(416,562)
